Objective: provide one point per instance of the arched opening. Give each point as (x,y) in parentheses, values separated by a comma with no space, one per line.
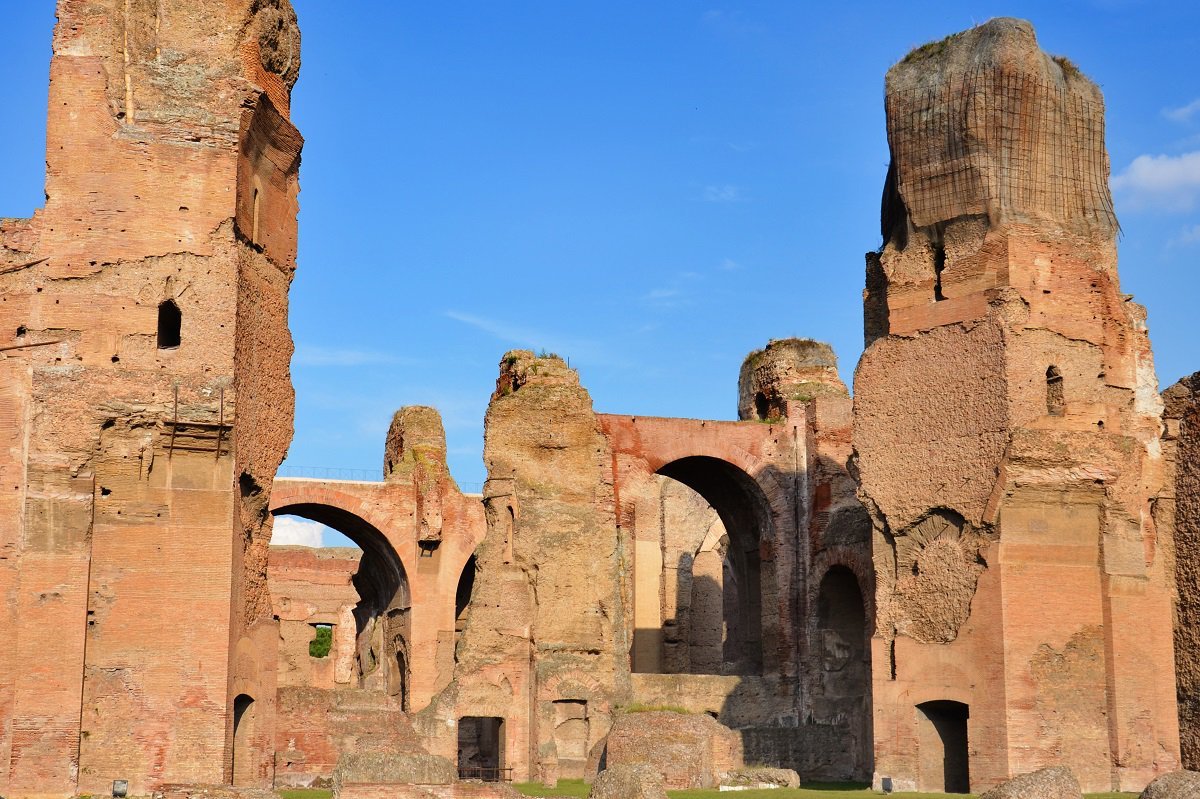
(842,644)
(762,407)
(701,571)
(462,595)
(942,738)
(378,610)
(243,740)
(1055,402)
(170,323)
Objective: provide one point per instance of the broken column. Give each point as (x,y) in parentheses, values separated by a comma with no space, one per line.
(1007,437)
(544,653)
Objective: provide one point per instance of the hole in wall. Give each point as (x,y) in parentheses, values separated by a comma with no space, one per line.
(170,323)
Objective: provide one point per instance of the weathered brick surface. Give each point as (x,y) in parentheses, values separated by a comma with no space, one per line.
(133,578)
(1006,426)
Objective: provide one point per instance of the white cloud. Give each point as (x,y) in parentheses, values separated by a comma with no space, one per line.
(536,340)
(1188,237)
(501,330)
(1170,182)
(1183,113)
(722,194)
(291,531)
(330,356)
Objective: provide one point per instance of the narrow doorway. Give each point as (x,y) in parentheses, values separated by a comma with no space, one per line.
(481,749)
(243,734)
(945,759)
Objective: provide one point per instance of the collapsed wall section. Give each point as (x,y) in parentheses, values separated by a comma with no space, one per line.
(1181,508)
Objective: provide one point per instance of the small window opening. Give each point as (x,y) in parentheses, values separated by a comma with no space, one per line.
(170,320)
(322,641)
(939,266)
(1054,392)
(428,548)
(21,330)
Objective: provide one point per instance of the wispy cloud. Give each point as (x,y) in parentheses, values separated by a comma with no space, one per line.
(1183,113)
(1170,182)
(730,23)
(504,331)
(535,339)
(331,356)
(665,297)
(729,265)
(291,531)
(724,193)
(1188,237)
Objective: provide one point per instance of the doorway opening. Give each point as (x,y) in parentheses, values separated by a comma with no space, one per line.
(944,754)
(481,749)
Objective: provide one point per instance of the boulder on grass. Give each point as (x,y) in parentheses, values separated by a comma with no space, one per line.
(1176,785)
(689,750)
(636,781)
(761,777)
(1056,782)
(389,768)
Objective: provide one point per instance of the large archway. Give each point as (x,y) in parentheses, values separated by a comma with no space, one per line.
(714,518)
(382,615)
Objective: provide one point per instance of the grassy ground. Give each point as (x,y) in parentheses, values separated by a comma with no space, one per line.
(577,788)
(305,793)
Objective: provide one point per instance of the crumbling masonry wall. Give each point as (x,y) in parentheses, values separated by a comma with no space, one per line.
(1180,507)
(134,575)
(1006,432)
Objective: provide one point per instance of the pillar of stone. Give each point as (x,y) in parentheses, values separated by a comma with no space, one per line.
(145,367)
(795,370)
(1007,437)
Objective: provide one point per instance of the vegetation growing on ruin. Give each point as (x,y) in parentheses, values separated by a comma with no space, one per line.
(319,646)
(1069,68)
(929,50)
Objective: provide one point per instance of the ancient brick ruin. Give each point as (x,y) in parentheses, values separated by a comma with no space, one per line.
(982,564)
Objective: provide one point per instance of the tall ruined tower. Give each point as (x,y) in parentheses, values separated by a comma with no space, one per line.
(1007,437)
(144,382)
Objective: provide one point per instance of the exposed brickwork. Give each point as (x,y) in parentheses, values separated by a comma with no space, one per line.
(1006,425)
(134,575)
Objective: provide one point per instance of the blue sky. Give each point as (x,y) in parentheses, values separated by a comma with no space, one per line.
(651,189)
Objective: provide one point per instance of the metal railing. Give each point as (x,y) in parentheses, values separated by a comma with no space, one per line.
(485,773)
(356,475)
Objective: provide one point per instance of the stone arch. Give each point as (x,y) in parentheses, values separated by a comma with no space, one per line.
(382,617)
(729,580)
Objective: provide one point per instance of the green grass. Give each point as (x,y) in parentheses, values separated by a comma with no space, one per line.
(816,790)
(577,788)
(305,793)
